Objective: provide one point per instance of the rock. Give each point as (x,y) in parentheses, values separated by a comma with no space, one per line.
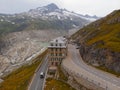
(1,80)
(100,57)
(16,47)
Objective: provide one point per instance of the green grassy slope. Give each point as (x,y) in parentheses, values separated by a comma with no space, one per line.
(105,32)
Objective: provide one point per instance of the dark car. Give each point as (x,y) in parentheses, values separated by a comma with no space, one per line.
(77,47)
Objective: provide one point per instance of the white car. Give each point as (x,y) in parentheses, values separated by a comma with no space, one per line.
(42,74)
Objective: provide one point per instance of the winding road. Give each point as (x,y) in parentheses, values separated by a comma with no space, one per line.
(76,64)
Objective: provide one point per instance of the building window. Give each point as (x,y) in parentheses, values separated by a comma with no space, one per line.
(60,59)
(52,54)
(56,63)
(51,44)
(56,44)
(60,49)
(56,40)
(60,44)
(56,49)
(60,54)
(52,63)
(51,49)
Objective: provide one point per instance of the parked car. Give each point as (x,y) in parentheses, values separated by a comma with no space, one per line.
(77,47)
(42,75)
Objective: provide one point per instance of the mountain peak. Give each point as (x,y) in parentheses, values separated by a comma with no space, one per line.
(52,6)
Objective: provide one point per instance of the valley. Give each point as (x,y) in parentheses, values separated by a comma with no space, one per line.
(78,51)
(24,34)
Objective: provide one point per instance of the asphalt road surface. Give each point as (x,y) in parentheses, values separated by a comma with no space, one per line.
(76,58)
(37,82)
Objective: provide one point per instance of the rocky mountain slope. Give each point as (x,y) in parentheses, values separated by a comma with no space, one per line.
(100,42)
(16,48)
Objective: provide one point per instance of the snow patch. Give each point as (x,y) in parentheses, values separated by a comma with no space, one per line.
(13,22)
(1,20)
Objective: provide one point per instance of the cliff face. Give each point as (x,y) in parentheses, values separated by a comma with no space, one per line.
(100,57)
(100,42)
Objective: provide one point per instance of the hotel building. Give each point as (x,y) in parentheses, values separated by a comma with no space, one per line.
(57,51)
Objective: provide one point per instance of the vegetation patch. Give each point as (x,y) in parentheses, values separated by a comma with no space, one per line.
(58,83)
(20,78)
(106,29)
(53,84)
(62,76)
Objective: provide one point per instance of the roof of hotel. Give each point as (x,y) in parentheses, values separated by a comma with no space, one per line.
(57,46)
(59,40)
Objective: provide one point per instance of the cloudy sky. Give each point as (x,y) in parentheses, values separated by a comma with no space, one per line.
(91,7)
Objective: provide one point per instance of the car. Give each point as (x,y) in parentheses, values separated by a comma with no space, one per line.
(77,48)
(42,74)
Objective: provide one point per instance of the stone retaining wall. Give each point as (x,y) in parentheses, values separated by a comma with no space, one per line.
(90,80)
(82,79)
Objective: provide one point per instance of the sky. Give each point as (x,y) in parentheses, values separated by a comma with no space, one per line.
(91,7)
